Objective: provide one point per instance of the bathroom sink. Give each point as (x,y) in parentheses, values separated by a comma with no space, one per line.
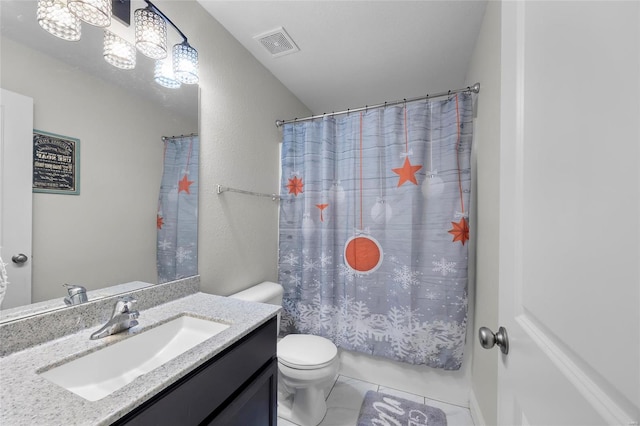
(106,370)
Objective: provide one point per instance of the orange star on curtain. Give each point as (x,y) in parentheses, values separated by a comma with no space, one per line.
(160,221)
(322,207)
(407,172)
(460,231)
(183,185)
(295,186)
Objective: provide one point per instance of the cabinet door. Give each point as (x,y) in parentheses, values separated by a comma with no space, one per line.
(256,405)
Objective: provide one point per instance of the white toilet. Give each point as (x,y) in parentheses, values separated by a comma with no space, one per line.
(308,365)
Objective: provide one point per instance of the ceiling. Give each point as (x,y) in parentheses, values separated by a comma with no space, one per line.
(352,53)
(357,53)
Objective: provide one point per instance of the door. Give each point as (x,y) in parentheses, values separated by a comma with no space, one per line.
(16,153)
(569,213)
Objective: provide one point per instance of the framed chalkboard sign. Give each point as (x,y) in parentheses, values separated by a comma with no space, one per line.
(56,163)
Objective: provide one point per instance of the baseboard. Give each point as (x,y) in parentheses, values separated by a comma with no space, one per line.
(476,413)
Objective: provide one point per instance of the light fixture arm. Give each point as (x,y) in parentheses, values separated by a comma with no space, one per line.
(166,18)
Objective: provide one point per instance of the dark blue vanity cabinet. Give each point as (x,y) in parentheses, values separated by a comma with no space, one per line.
(238,386)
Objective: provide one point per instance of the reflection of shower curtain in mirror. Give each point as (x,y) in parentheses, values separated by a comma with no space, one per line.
(177,219)
(373,230)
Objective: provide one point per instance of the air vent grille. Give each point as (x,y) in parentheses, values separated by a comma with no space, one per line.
(277,42)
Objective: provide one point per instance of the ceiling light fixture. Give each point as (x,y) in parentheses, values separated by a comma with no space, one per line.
(185,57)
(57,19)
(94,12)
(151,33)
(62,19)
(185,63)
(163,73)
(119,52)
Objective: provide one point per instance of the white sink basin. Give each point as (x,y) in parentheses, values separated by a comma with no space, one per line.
(100,373)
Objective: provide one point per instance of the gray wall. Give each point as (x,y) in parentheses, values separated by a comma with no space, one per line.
(239,103)
(485,68)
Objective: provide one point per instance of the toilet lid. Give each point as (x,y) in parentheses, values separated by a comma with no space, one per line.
(305,351)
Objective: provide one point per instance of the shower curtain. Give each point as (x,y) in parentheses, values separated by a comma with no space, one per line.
(374,230)
(177,220)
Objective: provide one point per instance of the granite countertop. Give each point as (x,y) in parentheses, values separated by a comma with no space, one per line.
(28,399)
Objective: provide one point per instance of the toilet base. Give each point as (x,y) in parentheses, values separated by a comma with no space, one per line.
(307,407)
(301,387)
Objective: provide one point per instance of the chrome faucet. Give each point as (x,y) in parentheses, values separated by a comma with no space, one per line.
(77,294)
(122,318)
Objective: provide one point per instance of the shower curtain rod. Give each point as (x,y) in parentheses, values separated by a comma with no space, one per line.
(473,89)
(164,138)
(221,189)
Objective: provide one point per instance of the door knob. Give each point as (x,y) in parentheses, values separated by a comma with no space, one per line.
(19,258)
(488,339)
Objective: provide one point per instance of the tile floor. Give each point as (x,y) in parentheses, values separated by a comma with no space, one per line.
(347,394)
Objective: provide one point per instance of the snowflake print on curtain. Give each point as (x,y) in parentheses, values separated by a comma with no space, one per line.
(177,219)
(401,177)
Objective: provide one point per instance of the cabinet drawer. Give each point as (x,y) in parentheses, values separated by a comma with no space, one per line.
(209,388)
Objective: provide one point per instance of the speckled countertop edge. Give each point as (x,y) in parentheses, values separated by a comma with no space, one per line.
(28,399)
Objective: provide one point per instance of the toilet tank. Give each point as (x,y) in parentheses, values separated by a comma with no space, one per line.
(265,292)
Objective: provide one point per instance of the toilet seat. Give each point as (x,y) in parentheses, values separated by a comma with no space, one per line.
(306,351)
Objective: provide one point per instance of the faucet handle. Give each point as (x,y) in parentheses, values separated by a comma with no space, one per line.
(124,305)
(74,289)
(77,294)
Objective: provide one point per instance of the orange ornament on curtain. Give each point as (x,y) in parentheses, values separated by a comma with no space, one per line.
(184,184)
(295,186)
(407,172)
(322,207)
(363,254)
(460,231)
(159,221)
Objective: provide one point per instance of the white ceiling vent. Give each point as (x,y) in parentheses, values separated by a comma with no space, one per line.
(277,42)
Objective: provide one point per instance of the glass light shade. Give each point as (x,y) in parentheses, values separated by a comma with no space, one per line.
(119,52)
(163,74)
(94,12)
(185,63)
(55,17)
(151,33)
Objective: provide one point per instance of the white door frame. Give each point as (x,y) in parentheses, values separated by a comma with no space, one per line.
(16,153)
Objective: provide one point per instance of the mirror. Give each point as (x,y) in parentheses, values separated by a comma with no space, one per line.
(105,235)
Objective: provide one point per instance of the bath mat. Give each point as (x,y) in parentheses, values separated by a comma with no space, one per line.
(380,409)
